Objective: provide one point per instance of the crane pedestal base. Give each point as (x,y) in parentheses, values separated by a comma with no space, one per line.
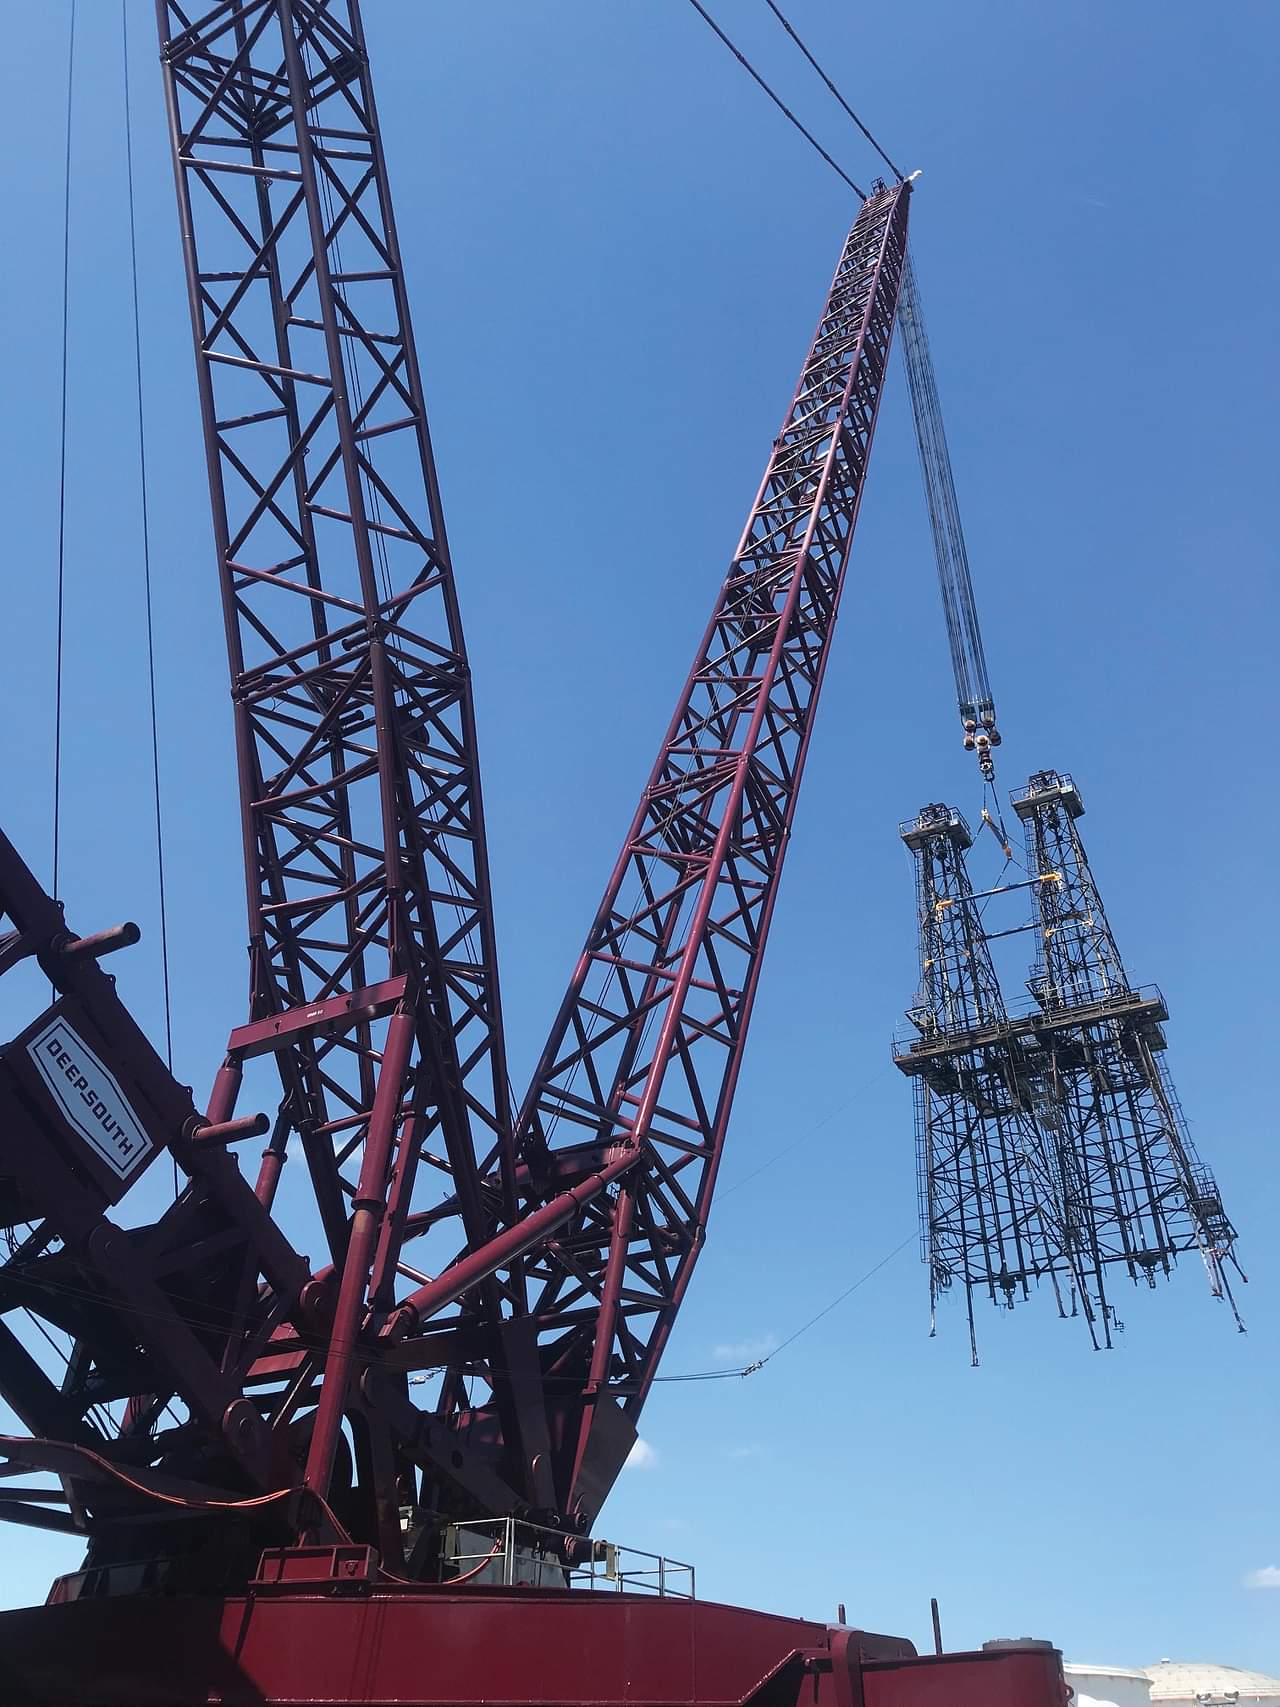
(427,1647)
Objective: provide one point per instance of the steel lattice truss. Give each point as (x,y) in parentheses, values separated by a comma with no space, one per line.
(1146,1195)
(362,818)
(993,1210)
(363,826)
(532,1268)
(1050,1143)
(644,1055)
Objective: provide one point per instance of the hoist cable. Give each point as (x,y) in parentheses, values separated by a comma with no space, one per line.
(146,552)
(840,1298)
(753,1368)
(12,1447)
(775,97)
(789,28)
(968,655)
(809,1131)
(964,636)
(62,461)
(146,566)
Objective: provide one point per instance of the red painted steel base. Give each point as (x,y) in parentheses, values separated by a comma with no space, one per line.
(411,1648)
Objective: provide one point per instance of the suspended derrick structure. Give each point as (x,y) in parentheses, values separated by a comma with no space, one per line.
(1050,1142)
(992,1210)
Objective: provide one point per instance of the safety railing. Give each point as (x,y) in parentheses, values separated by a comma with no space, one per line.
(510,1553)
(926,1031)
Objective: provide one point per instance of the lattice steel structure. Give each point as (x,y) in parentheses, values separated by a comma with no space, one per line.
(645,1052)
(276,1506)
(372,966)
(532,1268)
(1147,1196)
(995,1207)
(1050,1144)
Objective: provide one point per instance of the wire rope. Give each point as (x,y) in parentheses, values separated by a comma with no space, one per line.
(146,558)
(809,1132)
(754,1368)
(791,31)
(378,1354)
(62,461)
(775,97)
(12,1445)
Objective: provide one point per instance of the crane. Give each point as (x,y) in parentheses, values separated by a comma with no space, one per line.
(272,1508)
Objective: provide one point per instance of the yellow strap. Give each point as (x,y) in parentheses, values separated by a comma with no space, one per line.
(998,833)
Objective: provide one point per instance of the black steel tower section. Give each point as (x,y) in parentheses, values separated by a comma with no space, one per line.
(1050,1143)
(994,1208)
(1148,1196)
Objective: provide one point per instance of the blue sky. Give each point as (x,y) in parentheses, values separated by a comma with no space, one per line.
(616,252)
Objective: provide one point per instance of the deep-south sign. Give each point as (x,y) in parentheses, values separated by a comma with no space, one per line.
(89,1096)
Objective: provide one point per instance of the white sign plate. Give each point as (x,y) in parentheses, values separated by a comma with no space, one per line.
(89,1096)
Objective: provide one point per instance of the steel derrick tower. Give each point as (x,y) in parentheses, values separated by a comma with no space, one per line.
(1102,1067)
(1050,1142)
(997,1209)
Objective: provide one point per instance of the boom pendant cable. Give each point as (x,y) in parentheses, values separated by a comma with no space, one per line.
(62,461)
(146,543)
(775,98)
(964,636)
(789,28)
(146,561)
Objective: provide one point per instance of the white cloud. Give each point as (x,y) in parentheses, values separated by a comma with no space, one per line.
(748,1449)
(1267,1577)
(738,1352)
(642,1456)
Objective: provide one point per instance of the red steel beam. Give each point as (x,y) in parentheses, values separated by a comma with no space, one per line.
(363,824)
(644,1055)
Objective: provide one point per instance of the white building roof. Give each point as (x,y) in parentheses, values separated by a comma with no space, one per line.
(1184,1680)
(1134,1672)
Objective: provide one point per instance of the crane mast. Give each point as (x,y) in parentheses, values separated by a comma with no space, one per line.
(644,1056)
(372,963)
